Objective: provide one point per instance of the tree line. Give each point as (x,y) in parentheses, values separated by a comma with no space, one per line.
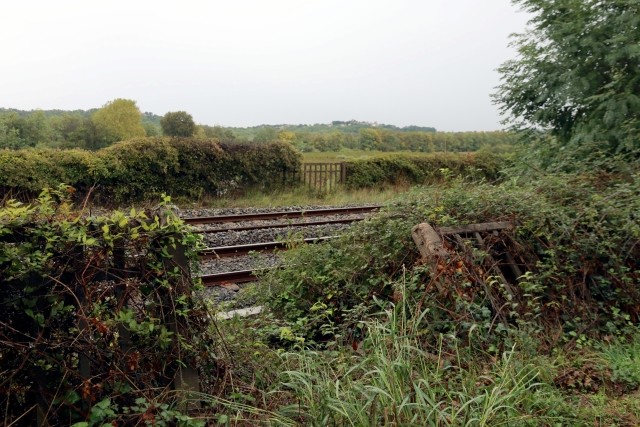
(121,119)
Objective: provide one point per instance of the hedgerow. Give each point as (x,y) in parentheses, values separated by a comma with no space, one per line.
(98,321)
(143,168)
(423,170)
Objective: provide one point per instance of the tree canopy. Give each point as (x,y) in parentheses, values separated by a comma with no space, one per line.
(178,123)
(577,74)
(117,120)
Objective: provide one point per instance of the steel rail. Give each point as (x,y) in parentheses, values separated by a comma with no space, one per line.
(239,250)
(290,224)
(241,276)
(277,215)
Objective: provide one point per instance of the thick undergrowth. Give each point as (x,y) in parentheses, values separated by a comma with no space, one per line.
(361,332)
(98,320)
(581,233)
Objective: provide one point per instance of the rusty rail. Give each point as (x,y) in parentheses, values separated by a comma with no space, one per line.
(239,250)
(278,215)
(285,225)
(242,276)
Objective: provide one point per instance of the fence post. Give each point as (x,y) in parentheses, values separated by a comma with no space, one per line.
(186,379)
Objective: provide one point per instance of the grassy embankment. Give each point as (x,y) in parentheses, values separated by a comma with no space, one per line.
(360,333)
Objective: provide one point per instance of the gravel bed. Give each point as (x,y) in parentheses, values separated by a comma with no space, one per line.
(228,238)
(259,260)
(248,262)
(199,212)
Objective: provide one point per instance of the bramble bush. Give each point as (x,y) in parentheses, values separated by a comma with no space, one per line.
(98,321)
(583,232)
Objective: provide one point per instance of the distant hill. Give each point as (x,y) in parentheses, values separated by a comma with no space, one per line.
(247,133)
(347,127)
(351,126)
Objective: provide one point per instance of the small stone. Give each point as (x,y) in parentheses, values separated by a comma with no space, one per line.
(230,287)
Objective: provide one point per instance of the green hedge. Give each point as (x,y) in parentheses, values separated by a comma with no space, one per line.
(421,170)
(97,317)
(142,168)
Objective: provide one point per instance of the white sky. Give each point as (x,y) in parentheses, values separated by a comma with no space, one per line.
(250,62)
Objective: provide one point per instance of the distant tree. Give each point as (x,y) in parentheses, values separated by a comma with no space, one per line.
(11,132)
(151,124)
(266,134)
(151,129)
(178,123)
(577,75)
(370,139)
(222,133)
(71,130)
(117,120)
(37,129)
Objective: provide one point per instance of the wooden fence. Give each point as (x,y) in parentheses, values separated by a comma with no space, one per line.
(323,176)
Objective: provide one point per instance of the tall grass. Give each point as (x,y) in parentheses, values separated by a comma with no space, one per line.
(304,196)
(393,380)
(348,154)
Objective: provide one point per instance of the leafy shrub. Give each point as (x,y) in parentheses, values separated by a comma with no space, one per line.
(144,168)
(97,319)
(265,165)
(422,170)
(137,167)
(27,171)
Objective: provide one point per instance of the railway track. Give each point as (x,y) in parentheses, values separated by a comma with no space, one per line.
(245,227)
(262,216)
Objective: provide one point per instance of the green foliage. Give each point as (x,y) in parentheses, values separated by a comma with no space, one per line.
(421,170)
(220,133)
(266,134)
(178,123)
(96,316)
(143,168)
(75,129)
(393,380)
(117,120)
(585,282)
(71,130)
(624,360)
(12,132)
(384,139)
(578,75)
(263,166)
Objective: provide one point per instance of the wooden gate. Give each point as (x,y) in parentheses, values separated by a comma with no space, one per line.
(324,175)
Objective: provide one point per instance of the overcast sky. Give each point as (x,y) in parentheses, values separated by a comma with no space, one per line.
(250,62)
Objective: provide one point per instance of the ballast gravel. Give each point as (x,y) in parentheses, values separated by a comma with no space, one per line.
(294,231)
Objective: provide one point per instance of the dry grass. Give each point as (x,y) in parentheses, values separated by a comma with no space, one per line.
(304,197)
(347,155)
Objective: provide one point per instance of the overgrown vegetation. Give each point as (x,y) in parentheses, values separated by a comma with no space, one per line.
(586,243)
(204,169)
(359,330)
(98,320)
(120,119)
(374,337)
